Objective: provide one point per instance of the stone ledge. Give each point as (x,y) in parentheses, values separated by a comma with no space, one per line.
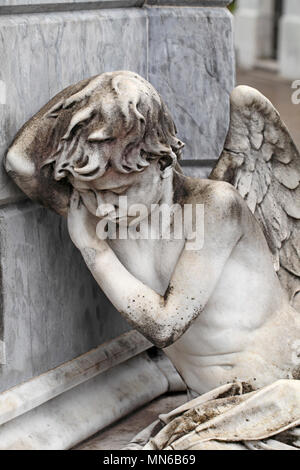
(77,414)
(198,168)
(33,393)
(8,7)
(190,3)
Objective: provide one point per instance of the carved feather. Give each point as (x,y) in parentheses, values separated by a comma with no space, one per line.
(261,161)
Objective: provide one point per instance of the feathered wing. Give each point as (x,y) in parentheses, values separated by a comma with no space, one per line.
(262,162)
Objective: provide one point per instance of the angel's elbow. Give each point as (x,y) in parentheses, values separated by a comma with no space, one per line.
(162,343)
(163,336)
(17,163)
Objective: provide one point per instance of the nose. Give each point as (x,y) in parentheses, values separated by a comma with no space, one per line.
(61,170)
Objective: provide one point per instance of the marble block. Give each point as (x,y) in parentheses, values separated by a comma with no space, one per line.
(42,54)
(36,6)
(191,64)
(189,3)
(52,309)
(123,3)
(197,171)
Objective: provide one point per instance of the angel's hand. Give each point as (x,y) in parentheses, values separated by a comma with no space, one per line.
(82,225)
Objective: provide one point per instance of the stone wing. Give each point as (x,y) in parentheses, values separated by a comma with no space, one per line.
(262,162)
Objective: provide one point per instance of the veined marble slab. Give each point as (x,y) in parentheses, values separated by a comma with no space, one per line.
(191,64)
(52,310)
(37,6)
(190,3)
(42,54)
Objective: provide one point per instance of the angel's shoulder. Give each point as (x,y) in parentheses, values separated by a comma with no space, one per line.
(217,196)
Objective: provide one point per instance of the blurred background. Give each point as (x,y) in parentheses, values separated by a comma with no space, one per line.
(267,44)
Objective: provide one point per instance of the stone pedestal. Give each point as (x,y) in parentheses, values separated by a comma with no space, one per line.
(51,308)
(289,44)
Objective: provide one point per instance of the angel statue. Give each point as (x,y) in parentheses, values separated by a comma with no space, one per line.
(226,310)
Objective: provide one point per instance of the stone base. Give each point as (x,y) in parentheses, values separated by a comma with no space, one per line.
(51,308)
(66,405)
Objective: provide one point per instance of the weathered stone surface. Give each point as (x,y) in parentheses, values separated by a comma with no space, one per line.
(37,61)
(191,64)
(75,415)
(123,3)
(189,3)
(47,318)
(36,6)
(197,171)
(52,308)
(35,392)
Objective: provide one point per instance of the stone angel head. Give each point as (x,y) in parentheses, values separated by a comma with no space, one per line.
(108,129)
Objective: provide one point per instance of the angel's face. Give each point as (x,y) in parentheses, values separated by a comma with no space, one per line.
(115,195)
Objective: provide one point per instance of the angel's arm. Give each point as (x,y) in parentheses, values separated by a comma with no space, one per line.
(162,319)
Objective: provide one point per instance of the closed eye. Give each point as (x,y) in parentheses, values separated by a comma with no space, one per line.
(108,140)
(97,140)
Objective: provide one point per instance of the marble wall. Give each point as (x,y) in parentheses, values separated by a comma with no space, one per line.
(191,65)
(51,308)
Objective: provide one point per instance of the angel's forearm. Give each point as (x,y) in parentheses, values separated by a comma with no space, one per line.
(161,320)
